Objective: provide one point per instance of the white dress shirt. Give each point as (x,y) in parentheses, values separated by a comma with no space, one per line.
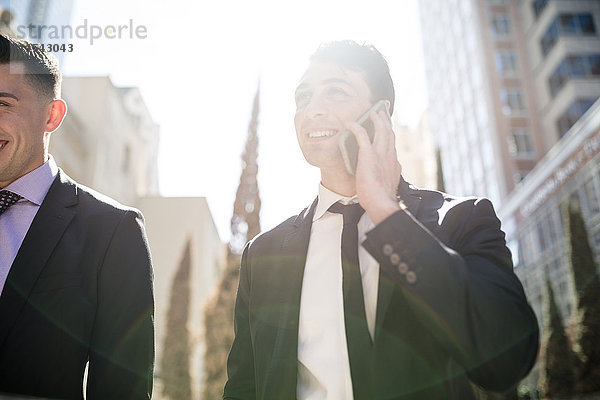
(323,364)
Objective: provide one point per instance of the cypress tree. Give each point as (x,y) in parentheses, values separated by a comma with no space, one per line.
(218,331)
(177,349)
(584,273)
(245,221)
(440,171)
(6,19)
(245,224)
(557,370)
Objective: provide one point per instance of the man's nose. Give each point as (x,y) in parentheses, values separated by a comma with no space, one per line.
(316,108)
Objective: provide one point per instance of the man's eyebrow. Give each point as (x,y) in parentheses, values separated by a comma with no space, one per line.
(301,86)
(336,80)
(325,81)
(6,94)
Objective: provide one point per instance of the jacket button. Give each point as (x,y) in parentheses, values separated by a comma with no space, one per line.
(395,259)
(403,268)
(411,277)
(387,249)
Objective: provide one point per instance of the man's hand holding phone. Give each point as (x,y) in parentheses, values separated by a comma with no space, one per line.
(377,170)
(348,143)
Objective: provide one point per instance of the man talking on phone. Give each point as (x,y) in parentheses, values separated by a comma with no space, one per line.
(377,290)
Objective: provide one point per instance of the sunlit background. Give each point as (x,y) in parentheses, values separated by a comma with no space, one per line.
(510,111)
(199,69)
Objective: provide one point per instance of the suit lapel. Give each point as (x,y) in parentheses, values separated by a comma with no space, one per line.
(51,220)
(412,200)
(294,246)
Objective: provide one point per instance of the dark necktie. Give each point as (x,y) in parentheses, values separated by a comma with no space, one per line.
(357,331)
(7,199)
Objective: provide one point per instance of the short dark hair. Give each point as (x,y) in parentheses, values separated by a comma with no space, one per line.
(41,67)
(364,58)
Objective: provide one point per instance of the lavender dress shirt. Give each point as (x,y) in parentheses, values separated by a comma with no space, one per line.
(15,221)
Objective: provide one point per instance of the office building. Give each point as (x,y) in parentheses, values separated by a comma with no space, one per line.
(109,142)
(525,75)
(416,153)
(482,110)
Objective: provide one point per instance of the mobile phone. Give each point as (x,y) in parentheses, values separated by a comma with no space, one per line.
(349,145)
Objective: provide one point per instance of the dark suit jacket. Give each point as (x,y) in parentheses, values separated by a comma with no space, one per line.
(79,289)
(463,318)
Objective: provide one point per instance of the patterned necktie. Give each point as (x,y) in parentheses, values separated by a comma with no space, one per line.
(7,199)
(357,331)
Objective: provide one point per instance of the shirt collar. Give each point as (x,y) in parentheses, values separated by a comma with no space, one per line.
(34,185)
(327,198)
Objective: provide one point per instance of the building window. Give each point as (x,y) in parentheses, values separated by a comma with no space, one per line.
(552,229)
(547,232)
(591,197)
(552,268)
(542,235)
(512,101)
(538,7)
(506,62)
(520,175)
(519,143)
(572,114)
(523,251)
(567,24)
(574,66)
(501,25)
(596,240)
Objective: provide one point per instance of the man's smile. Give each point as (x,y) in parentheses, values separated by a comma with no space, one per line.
(322,133)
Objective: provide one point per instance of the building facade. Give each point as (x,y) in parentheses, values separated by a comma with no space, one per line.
(171,225)
(506,80)
(109,142)
(525,75)
(563,44)
(533,213)
(479,103)
(416,153)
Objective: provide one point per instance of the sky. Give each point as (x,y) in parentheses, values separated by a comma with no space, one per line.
(198,68)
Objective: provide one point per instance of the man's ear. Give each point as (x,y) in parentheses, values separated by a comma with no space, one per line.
(56,114)
(388,105)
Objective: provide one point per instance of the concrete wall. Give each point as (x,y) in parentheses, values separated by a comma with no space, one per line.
(170,223)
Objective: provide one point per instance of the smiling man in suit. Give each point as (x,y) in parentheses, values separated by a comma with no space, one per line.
(75,270)
(378,290)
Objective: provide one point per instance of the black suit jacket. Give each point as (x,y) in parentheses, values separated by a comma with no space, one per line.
(79,289)
(464,318)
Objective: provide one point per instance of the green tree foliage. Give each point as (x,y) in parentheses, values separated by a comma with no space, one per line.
(218,321)
(587,286)
(177,349)
(245,221)
(557,371)
(245,224)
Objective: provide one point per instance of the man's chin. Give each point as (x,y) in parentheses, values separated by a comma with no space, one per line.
(330,163)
